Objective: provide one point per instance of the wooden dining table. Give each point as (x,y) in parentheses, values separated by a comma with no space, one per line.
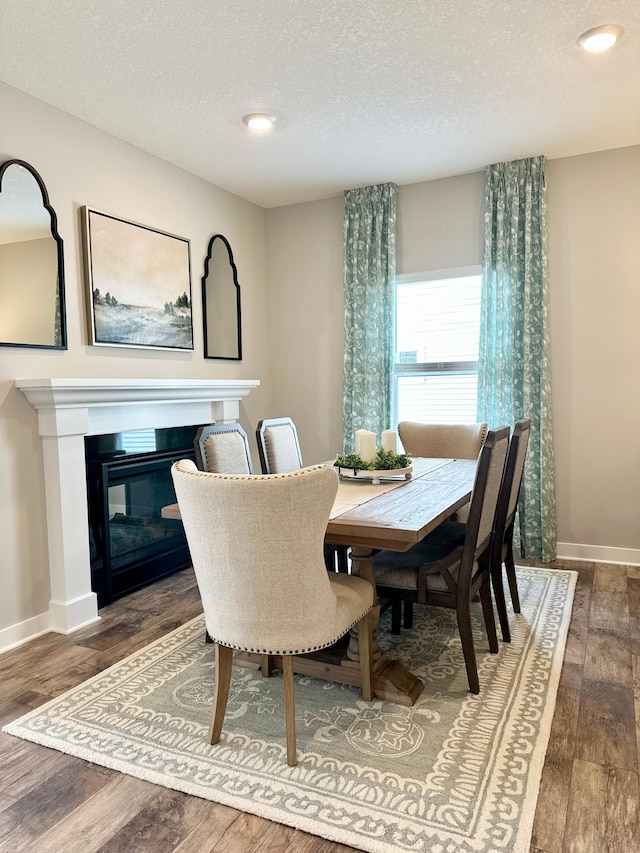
(393,515)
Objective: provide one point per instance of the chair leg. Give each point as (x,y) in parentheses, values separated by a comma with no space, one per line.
(501,604)
(289,710)
(342,559)
(489,618)
(224,663)
(266,666)
(365,653)
(396,615)
(511,575)
(408,614)
(463,612)
(330,558)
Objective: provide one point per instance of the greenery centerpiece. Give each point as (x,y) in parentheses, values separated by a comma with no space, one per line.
(385,460)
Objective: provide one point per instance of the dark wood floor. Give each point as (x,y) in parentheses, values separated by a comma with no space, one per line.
(589,798)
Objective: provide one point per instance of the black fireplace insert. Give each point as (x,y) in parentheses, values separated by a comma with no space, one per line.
(128,483)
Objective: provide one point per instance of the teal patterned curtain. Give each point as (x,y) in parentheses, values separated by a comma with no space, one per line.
(369,277)
(514,378)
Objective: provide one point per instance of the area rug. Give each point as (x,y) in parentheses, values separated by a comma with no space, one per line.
(454,773)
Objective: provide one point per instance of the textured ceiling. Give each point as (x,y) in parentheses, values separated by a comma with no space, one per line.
(365,91)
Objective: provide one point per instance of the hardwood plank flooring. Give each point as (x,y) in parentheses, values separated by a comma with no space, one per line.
(589,795)
(633,594)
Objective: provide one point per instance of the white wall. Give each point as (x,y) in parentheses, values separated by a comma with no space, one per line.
(81,165)
(594,270)
(441,224)
(306,319)
(594,276)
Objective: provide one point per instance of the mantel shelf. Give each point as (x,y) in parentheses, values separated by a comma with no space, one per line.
(65,393)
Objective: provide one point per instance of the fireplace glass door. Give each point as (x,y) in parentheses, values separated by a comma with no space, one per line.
(132,545)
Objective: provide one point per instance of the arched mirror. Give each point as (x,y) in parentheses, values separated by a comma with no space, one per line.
(31,262)
(221,302)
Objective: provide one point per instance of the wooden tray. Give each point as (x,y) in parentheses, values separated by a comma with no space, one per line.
(375,476)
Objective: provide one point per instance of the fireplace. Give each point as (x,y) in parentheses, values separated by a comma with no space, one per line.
(128,484)
(71,409)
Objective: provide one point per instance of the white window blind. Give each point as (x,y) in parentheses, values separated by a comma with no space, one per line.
(437,340)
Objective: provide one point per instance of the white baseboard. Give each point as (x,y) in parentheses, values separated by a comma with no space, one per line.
(62,618)
(598,553)
(22,632)
(68,616)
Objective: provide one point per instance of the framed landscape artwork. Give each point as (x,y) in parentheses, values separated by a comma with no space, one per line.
(138,284)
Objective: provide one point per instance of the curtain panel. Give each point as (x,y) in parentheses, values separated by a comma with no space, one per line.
(514,377)
(369,318)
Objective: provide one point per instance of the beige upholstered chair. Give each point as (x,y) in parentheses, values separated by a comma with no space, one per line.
(256,544)
(278,446)
(223,449)
(451,577)
(280,453)
(449,441)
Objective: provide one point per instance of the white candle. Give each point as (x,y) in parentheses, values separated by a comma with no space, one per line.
(365,445)
(389,441)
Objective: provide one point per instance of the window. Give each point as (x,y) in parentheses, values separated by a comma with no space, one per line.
(139,441)
(437,339)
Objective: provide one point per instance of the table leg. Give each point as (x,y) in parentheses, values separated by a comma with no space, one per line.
(391,679)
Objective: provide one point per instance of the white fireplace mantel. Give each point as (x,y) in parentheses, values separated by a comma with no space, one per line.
(69,409)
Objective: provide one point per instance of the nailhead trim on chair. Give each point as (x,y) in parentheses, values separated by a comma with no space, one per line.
(291,651)
(296,473)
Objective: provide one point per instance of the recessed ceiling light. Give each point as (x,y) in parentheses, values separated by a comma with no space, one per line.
(600,38)
(259,121)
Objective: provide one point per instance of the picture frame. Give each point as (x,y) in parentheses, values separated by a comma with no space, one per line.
(138,284)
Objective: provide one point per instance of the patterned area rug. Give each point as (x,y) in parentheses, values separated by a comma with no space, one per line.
(454,773)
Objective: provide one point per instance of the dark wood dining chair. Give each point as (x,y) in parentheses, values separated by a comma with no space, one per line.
(440,441)
(502,548)
(279,451)
(450,533)
(452,577)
